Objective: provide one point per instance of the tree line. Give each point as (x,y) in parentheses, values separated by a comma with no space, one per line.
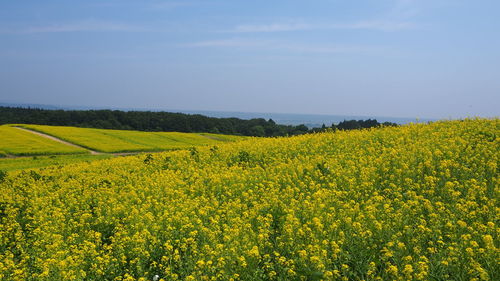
(165,122)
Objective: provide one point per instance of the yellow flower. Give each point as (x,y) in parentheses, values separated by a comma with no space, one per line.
(408,269)
(392,269)
(254,252)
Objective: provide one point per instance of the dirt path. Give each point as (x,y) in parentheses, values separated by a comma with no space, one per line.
(92,152)
(9,156)
(58,140)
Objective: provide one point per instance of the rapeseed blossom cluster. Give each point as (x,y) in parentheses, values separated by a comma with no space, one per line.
(417,202)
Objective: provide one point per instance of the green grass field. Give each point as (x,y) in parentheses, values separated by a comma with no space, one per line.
(130,141)
(14,141)
(21,163)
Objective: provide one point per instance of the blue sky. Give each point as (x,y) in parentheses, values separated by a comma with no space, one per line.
(400,58)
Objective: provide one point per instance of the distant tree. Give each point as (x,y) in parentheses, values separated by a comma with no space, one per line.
(389,124)
(165,121)
(348,125)
(257,131)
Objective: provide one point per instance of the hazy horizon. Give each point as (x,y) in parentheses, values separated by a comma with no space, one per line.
(227,113)
(394,58)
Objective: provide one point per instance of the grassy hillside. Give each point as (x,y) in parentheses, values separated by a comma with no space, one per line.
(126,141)
(17,142)
(416,202)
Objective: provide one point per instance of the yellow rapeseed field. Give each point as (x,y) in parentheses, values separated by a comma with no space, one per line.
(15,141)
(418,202)
(106,140)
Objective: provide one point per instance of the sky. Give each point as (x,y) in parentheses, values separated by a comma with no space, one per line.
(398,58)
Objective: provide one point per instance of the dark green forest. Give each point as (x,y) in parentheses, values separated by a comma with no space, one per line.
(166,122)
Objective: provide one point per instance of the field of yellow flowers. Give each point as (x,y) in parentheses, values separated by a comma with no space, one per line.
(418,202)
(106,140)
(15,141)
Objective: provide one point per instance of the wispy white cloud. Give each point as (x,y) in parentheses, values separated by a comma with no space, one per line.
(397,18)
(82,26)
(362,25)
(269,45)
(378,25)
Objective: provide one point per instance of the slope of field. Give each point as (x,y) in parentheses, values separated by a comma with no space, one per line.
(222,137)
(19,163)
(126,141)
(17,142)
(419,202)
